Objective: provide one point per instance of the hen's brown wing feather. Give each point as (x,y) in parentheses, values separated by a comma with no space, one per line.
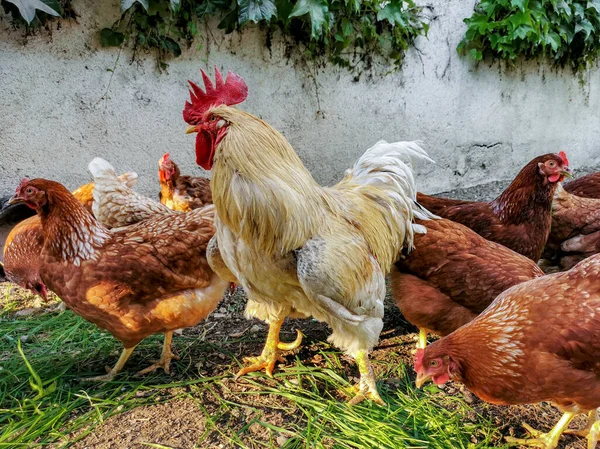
(437,205)
(587,186)
(463,266)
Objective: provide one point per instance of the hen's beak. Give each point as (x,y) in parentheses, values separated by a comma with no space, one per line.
(421,379)
(191,129)
(15,200)
(566,172)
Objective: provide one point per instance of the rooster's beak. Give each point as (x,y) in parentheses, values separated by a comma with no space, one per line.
(421,379)
(566,172)
(191,129)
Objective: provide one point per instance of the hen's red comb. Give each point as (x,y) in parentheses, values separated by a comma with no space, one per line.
(563,156)
(22,184)
(164,159)
(233,91)
(419,359)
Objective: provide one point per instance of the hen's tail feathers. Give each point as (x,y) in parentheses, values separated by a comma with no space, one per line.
(130,179)
(388,166)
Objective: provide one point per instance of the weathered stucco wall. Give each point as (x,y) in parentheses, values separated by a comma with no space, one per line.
(61,106)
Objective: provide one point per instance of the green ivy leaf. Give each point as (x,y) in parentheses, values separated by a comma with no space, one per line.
(553,40)
(392,12)
(27,8)
(255,10)
(317,10)
(175,4)
(585,26)
(347,27)
(172,46)
(594,4)
(126,4)
(521,4)
(284,9)
(110,38)
(476,54)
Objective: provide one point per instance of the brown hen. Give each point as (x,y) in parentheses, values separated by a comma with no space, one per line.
(452,275)
(520,217)
(134,281)
(183,193)
(24,243)
(538,341)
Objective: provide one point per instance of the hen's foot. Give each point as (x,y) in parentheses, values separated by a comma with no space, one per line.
(111,372)
(271,352)
(591,431)
(165,358)
(543,440)
(366,388)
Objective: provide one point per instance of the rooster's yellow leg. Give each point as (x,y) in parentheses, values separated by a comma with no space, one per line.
(544,440)
(270,354)
(165,357)
(366,389)
(112,372)
(422,342)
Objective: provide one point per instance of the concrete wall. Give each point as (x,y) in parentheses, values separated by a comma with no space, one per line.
(61,106)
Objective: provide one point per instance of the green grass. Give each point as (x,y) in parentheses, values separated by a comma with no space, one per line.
(45,403)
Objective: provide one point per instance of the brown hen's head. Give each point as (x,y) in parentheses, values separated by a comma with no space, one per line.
(197,113)
(435,364)
(554,167)
(168,171)
(31,193)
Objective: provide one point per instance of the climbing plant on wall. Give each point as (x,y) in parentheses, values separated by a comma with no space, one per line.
(349,33)
(344,31)
(568,31)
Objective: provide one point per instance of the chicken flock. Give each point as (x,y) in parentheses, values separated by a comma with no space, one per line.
(468,272)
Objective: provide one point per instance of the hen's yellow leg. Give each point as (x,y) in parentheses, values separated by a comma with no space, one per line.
(544,440)
(591,431)
(270,354)
(165,357)
(112,372)
(366,388)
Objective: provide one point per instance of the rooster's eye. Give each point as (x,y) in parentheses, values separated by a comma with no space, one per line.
(213,118)
(433,363)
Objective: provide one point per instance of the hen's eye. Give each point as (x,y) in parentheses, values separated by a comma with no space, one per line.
(29,190)
(551,164)
(434,363)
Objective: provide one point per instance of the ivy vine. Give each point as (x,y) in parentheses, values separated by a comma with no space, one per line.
(347,32)
(568,31)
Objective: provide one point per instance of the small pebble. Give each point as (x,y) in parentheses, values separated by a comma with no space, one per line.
(281,440)
(256,328)
(24,338)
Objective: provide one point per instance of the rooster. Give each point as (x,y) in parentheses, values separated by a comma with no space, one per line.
(587,186)
(299,249)
(452,275)
(520,217)
(538,341)
(178,192)
(24,243)
(133,281)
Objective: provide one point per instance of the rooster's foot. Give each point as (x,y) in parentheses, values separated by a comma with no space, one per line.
(271,352)
(264,361)
(543,440)
(366,388)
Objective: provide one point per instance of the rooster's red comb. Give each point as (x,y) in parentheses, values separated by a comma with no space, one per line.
(230,92)
(419,359)
(563,156)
